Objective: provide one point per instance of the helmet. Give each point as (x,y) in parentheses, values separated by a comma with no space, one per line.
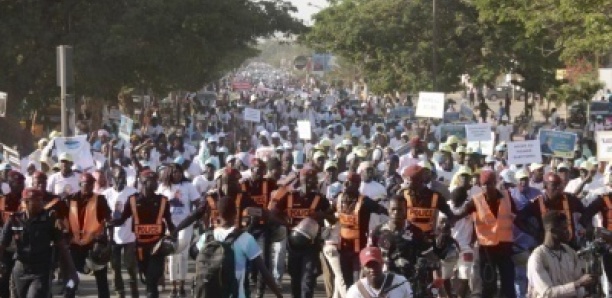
(304,234)
(98,257)
(165,246)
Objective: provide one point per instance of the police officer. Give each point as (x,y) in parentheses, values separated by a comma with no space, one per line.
(87,215)
(151,220)
(34,230)
(354,210)
(260,188)
(9,204)
(303,209)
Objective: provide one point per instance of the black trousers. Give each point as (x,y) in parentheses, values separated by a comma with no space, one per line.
(31,282)
(5,280)
(494,259)
(79,255)
(152,267)
(263,240)
(349,263)
(125,254)
(303,267)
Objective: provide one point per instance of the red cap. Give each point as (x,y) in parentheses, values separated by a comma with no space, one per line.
(308,171)
(487,176)
(552,177)
(370,254)
(413,172)
(39,175)
(416,141)
(87,177)
(354,178)
(14,175)
(31,193)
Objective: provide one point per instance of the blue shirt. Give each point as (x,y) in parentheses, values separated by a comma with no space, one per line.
(522,240)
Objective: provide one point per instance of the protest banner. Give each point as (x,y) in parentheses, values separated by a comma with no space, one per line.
(11,156)
(401,113)
(253,115)
(604,145)
(557,143)
(484,147)
(3,97)
(125,128)
(430,105)
(304,129)
(478,132)
(524,152)
(77,147)
(452,116)
(454,129)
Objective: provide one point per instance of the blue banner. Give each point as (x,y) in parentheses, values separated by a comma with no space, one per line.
(557,143)
(455,129)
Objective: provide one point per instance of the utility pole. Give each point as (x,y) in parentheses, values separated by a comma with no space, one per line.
(434,58)
(65,79)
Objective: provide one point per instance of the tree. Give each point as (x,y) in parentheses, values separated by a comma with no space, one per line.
(391,40)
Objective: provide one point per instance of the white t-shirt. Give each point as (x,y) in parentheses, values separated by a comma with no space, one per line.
(402,291)
(180,197)
(463,229)
(446,177)
(116,202)
(505,131)
(58,184)
(374,190)
(203,185)
(245,249)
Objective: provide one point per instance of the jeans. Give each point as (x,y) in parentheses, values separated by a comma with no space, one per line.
(520,271)
(333,259)
(494,260)
(79,255)
(303,269)
(125,254)
(31,282)
(279,254)
(263,240)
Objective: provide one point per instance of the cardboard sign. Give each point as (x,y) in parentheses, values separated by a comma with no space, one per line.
(604,145)
(125,128)
(3,97)
(524,152)
(557,143)
(430,105)
(485,147)
(478,132)
(304,129)
(457,130)
(253,115)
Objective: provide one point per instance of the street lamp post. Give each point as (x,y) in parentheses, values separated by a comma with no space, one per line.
(434,58)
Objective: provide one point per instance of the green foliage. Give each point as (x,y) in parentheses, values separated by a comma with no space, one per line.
(157,44)
(391,40)
(582,89)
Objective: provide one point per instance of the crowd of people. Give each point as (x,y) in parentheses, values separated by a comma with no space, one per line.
(378,207)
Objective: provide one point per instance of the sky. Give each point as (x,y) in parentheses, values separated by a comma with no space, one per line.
(305,11)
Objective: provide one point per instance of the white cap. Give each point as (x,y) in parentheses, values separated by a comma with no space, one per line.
(213,139)
(65,156)
(508,176)
(489,159)
(284,128)
(276,135)
(535,166)
(521,174)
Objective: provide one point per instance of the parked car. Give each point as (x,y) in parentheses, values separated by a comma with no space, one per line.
(577,112)
(501,91)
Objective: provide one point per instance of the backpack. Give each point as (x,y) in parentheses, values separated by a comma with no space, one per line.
(386,288)
(215,268)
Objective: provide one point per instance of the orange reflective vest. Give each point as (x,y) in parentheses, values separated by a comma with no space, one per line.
(261,200)
(491,231)
(566,210)
(424,218)
(608,214)
(349,223)
(5,214)
(214,212)
(297,214)
(84,235)
(148,233)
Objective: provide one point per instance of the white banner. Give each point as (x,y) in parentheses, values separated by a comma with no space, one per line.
(125,128)
(486,147)
(478,132)
(253,115)
(304,129)
(604,145)
(524,152)
(3,98)
(430,105)
(78,148)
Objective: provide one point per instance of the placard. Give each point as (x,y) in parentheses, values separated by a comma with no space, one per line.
(457,130)
(524,152)
(114,113)
(486,147)
(557,143)
(304,129)
(11,156)
(478,132)
(430,105)
(253,115)
(604,145)
(125,128)
(3,97)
